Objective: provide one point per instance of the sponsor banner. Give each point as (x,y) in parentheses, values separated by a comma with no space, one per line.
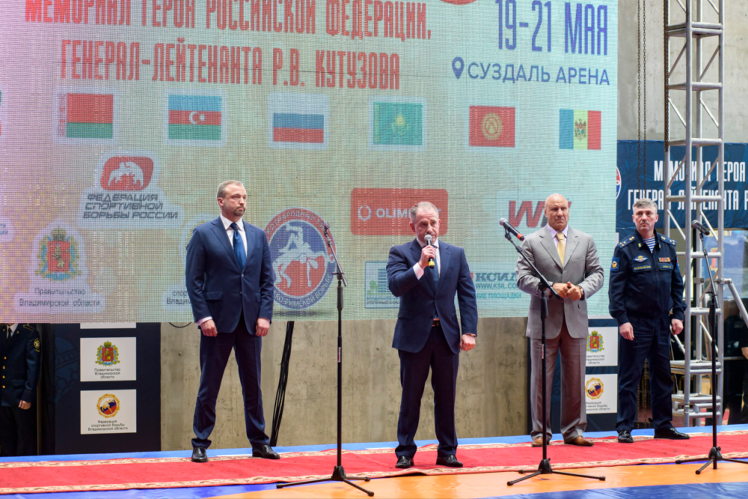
(601,393)
(397,124)
(126,196)
(3,113)
(87,116)
(376,291)
(195,118)
(6,230)
(175,297)
(386,212)
(58,275)
(302,262)
(298,121)
(602,347)
(649,181)
(495,285)
(108,411)
(108,359)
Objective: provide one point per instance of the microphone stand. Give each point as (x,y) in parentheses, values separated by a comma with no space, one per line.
(338,474)
(715,453)
(544,468)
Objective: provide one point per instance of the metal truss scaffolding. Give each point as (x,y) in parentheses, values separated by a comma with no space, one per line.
(692,90)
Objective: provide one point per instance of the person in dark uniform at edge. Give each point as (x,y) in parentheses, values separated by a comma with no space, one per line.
(736,371)
(646,299)
(21,356)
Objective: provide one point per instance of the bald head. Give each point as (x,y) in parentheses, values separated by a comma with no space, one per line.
(557,211)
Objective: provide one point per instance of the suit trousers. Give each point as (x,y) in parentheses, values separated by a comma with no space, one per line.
(573,367)
(414,370)
(18,431)
(652,342)
(214,354)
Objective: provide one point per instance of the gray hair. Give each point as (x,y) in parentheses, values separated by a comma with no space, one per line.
(420,205)
(645,203)
(222,188)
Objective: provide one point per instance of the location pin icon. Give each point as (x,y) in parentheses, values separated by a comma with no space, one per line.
(457,66)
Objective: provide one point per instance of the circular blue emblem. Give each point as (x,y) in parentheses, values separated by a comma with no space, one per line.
(618,182)
(302,262)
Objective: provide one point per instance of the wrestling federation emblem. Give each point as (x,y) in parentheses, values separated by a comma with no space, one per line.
(108,405)
(302,262)
(594,388)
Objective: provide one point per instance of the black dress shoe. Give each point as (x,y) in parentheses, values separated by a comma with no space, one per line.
(265,452)
(199,455)
(450,461)
(624,437)
(404,462)
(671,434)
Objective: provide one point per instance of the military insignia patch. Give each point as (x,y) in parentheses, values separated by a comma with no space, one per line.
(625,242)
(615,265)
(640,259)
(665,259)
(37,345)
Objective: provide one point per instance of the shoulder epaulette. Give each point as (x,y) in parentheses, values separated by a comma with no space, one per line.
(28,326)
(669,241)
(625,242)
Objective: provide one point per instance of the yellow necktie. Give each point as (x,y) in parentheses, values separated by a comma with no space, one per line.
(561,246)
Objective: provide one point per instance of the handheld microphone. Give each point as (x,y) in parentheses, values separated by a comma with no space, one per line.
(697,226)
(505,223)
(431,260)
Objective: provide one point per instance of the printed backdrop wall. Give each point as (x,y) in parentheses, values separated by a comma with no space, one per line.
(119,118)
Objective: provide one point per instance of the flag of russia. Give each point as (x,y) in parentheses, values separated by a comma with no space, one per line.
(295,127)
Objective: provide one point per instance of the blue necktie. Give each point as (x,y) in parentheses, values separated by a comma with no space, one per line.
(435,271)
(241,257)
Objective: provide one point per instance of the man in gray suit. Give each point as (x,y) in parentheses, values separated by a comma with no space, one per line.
(568,259)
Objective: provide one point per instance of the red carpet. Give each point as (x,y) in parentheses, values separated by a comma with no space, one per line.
(118,474)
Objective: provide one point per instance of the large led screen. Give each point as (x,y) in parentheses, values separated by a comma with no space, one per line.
(119,118)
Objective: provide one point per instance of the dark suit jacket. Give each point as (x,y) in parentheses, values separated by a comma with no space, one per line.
(218,288)
(418,298)
(21,358)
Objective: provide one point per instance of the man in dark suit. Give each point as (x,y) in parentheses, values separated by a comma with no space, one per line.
(230,284)
(21,356)
(427,334)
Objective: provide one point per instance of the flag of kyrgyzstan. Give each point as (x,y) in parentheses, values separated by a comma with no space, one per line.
(491,126)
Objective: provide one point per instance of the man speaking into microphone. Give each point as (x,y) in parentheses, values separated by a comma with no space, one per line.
(568,259)
(426,274)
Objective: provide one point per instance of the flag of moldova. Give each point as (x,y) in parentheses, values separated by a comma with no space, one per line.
(579,129)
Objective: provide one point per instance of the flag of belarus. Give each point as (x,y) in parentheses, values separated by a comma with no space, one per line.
(579,129)
(491,126)
(88,116)
(195,117)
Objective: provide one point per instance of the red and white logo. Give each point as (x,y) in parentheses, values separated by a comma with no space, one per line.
(386,212)
(127,173)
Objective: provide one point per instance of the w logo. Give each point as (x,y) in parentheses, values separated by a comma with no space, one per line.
(535,216)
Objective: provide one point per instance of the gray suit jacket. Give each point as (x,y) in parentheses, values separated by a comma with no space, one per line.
(582,267)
